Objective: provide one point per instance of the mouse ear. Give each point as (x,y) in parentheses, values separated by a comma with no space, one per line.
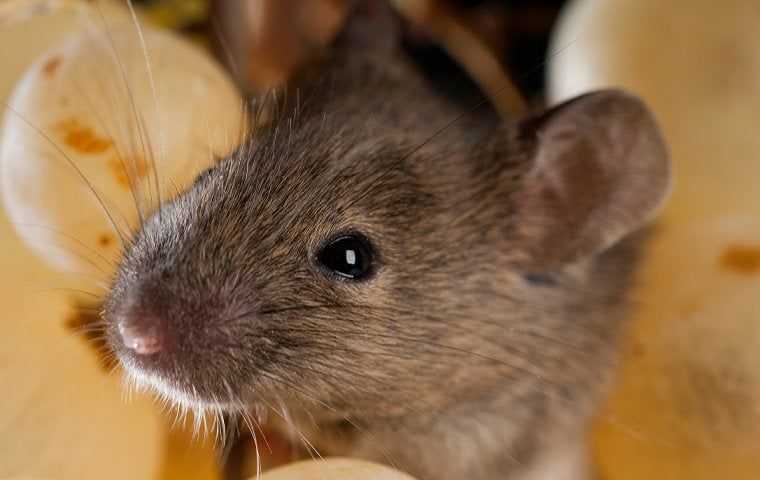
(370,25)
(599,170)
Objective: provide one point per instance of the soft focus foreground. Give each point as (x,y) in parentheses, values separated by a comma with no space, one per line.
(335,469)
(138,112)
(62,415)
(66,413)
(688,402)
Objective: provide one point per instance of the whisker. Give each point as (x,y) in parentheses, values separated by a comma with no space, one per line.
(78,171)
(87,309)
(518,328)
(309,446)
(74,240)
(142,132)
(526,368)
(249,423)
(511,329)
(125,82)
(131,178)
(151,80)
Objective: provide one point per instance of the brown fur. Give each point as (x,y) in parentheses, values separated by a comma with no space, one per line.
(480,343)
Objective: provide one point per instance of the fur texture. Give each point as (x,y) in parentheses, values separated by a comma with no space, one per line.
(465,354)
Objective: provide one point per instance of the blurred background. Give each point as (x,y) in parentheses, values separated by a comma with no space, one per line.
(517,31)
(687,402)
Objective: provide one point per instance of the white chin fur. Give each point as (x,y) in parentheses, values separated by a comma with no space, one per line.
(140,381)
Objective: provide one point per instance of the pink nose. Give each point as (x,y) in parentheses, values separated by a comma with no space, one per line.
(143,337)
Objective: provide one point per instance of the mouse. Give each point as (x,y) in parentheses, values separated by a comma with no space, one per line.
(398,278)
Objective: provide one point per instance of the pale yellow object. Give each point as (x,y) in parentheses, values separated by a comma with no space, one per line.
(29,28)
(64,416)
(119,106)
(335,469)
(688,402)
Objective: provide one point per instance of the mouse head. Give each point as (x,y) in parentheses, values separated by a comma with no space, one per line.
(378,252)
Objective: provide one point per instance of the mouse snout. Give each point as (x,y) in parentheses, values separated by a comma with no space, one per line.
(142,334)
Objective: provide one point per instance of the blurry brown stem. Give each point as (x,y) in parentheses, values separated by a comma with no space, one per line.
(470,51)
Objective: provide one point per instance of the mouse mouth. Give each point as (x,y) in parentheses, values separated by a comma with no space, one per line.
(179,350)
(174,392)
(177,387)
(189,377)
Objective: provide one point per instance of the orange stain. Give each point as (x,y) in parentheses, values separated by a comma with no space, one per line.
(127,170)
(51,66)
(85,321)
(81,138)
(742,259)
(105,240)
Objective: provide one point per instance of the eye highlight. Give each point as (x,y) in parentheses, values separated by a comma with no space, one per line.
(348,256)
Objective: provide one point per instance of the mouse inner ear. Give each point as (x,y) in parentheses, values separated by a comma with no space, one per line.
(370,25)
(599,170)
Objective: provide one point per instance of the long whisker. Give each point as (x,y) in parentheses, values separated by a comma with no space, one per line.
(284,415)
(512,329)
(252,430)
(152,83)
(125,81)
(309,446)
(519,358)
(78,291)
(326,373)
(525,366)
(74,240)
(425,342)
(78,171)
(131,177)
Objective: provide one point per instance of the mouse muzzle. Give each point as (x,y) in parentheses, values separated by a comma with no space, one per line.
(173,340)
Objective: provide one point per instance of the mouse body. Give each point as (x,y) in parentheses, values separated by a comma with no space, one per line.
(401,280)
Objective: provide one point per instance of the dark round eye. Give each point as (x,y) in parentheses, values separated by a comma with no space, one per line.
(349,256)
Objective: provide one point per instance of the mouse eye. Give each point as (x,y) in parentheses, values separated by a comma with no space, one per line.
(348,256)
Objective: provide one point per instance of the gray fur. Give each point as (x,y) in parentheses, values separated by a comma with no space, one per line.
(451,361)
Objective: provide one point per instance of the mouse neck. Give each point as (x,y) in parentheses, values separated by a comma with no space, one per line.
(475,441)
